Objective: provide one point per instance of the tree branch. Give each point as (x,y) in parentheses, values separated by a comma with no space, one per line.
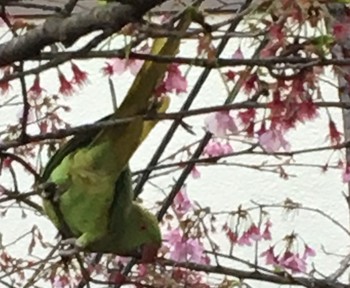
(62,133)
(282,278)
(68,30)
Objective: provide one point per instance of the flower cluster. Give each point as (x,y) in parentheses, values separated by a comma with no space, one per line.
(119,66)
(183,248)
(80,78)
(289,258)
(217,148)
(248,236)
(173,82)
(291,103)
(65,280)
(182,204)
(220,124)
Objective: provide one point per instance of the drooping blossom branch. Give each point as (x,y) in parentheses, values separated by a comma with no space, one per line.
(62,133)
(283,278)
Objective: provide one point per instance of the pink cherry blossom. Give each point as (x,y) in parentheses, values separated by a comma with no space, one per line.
(341,30)
(232,236)
(273,140)
(346,174)
(122,65)
(308,252)
(247,116)
(254,233)
(270,258)
(266,235)
(195,250)
(215,148)
(6,162)
(293,262)
(60,282)
(182,204)
(270,49)
(35,91)
(174,80)
(276,31)
(79,77)
(230,75)
(244,239)
(334,135)
(226,148)
(184,249)
(5,85)
(107,70)
(220,124)
(66,87)
(195,173)
(142,270)
(251,84)
(238,54)
(119,66)
(173,236)
(307,110)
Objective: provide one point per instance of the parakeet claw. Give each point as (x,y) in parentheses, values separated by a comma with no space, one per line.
(68,252)
(74,248)
(50,190)
(69,241)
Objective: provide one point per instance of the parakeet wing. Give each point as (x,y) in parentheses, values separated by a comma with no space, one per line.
(78,141)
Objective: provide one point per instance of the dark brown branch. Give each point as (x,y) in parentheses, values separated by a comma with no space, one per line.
(282,278)
(219,62)
(19,68)
(214,159)
(22,197)
(287,62)
(27,5)
(62,133)
(67,30)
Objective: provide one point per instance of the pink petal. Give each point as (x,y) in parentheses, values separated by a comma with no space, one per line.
(270,258)
(309,252)
(220,124)
(273,141)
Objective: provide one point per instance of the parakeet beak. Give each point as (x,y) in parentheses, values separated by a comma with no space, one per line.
(149,252)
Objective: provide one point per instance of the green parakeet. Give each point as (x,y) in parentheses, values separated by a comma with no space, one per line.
(92,180)
(130,226)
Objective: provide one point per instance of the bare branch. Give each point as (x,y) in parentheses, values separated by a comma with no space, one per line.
(67,30)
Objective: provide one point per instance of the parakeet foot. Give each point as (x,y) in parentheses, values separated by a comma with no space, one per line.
(74,248)
(68,252)
(50,190)
(69,241)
